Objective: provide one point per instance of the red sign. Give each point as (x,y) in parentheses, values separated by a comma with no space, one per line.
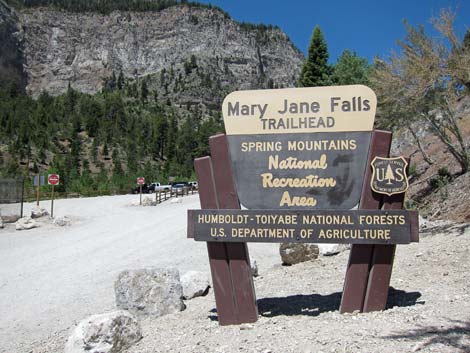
(53,179)
(141,180)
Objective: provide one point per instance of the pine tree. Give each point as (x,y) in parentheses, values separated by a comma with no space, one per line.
(120,82)
(316,71)
(351,69)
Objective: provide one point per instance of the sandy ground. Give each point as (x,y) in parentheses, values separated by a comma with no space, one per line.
(429,309)
(52,277)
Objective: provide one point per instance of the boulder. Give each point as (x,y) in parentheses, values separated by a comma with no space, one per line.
(38,212)
(10,218)
(331,249)
(294,253)
(154,292)
(26,223)
(62,221)
(105,333)
(195,284)
(254,268)
(147,201)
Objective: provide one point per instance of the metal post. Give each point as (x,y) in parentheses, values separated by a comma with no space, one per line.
(52,202)
(141,194)
(38,190)
(22,196)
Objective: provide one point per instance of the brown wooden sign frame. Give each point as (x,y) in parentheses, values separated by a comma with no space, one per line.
(369,267)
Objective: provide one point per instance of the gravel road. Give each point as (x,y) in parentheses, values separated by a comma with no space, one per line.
(52,277)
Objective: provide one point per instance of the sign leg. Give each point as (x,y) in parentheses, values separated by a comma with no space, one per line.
(218,258)
(382,265)
(360,257)
(239,259)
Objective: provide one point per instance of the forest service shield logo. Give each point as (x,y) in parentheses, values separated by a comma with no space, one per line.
(389,175)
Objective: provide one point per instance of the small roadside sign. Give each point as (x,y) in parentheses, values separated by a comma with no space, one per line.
(53,179)
(39,178)
(141,180)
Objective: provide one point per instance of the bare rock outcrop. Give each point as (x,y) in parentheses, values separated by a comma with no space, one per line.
(202,49)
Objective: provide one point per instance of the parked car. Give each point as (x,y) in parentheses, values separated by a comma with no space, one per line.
(179,186)
(154,187)
(193,185)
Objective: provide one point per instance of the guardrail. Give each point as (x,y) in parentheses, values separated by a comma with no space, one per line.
(162,196)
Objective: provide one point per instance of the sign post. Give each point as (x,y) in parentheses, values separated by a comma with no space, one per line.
(308,166)
(53,179)
(140,182)
(38,181)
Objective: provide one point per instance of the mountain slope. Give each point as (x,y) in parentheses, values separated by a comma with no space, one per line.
(189,54)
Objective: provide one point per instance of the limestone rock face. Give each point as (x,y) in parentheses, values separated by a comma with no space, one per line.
(154,292)
(105,333)
(11,56)
(203,49)
(294,253)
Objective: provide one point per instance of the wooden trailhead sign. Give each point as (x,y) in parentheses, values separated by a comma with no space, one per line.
(306,165)
(300,147)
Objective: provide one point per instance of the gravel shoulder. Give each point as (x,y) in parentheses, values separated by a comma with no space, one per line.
(428,309)
(53,277)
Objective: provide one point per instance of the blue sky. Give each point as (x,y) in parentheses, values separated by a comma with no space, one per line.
(368,27)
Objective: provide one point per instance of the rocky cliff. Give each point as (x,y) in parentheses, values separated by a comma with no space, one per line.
(11,58)
(187,54)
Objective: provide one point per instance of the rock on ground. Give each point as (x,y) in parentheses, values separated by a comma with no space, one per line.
(331,249)
(195,284)
(26,223)
(104,333)
(152,291)
(10,219)
(147,201)
(38,212)
(62,221)
(254,268)
(294,253)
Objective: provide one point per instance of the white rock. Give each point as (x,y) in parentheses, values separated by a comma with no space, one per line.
(195,284)
(26,223)
(254,268)
(38,212)
(147,201)
(176,200)
(104,333)
(331,249)
(152,291)
(62,221)
(423,222)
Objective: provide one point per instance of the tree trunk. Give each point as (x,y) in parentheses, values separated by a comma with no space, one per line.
(461,156)
(426,158)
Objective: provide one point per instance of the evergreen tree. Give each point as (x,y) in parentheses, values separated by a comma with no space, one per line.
(315,70)
(120,82)
(351,69)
